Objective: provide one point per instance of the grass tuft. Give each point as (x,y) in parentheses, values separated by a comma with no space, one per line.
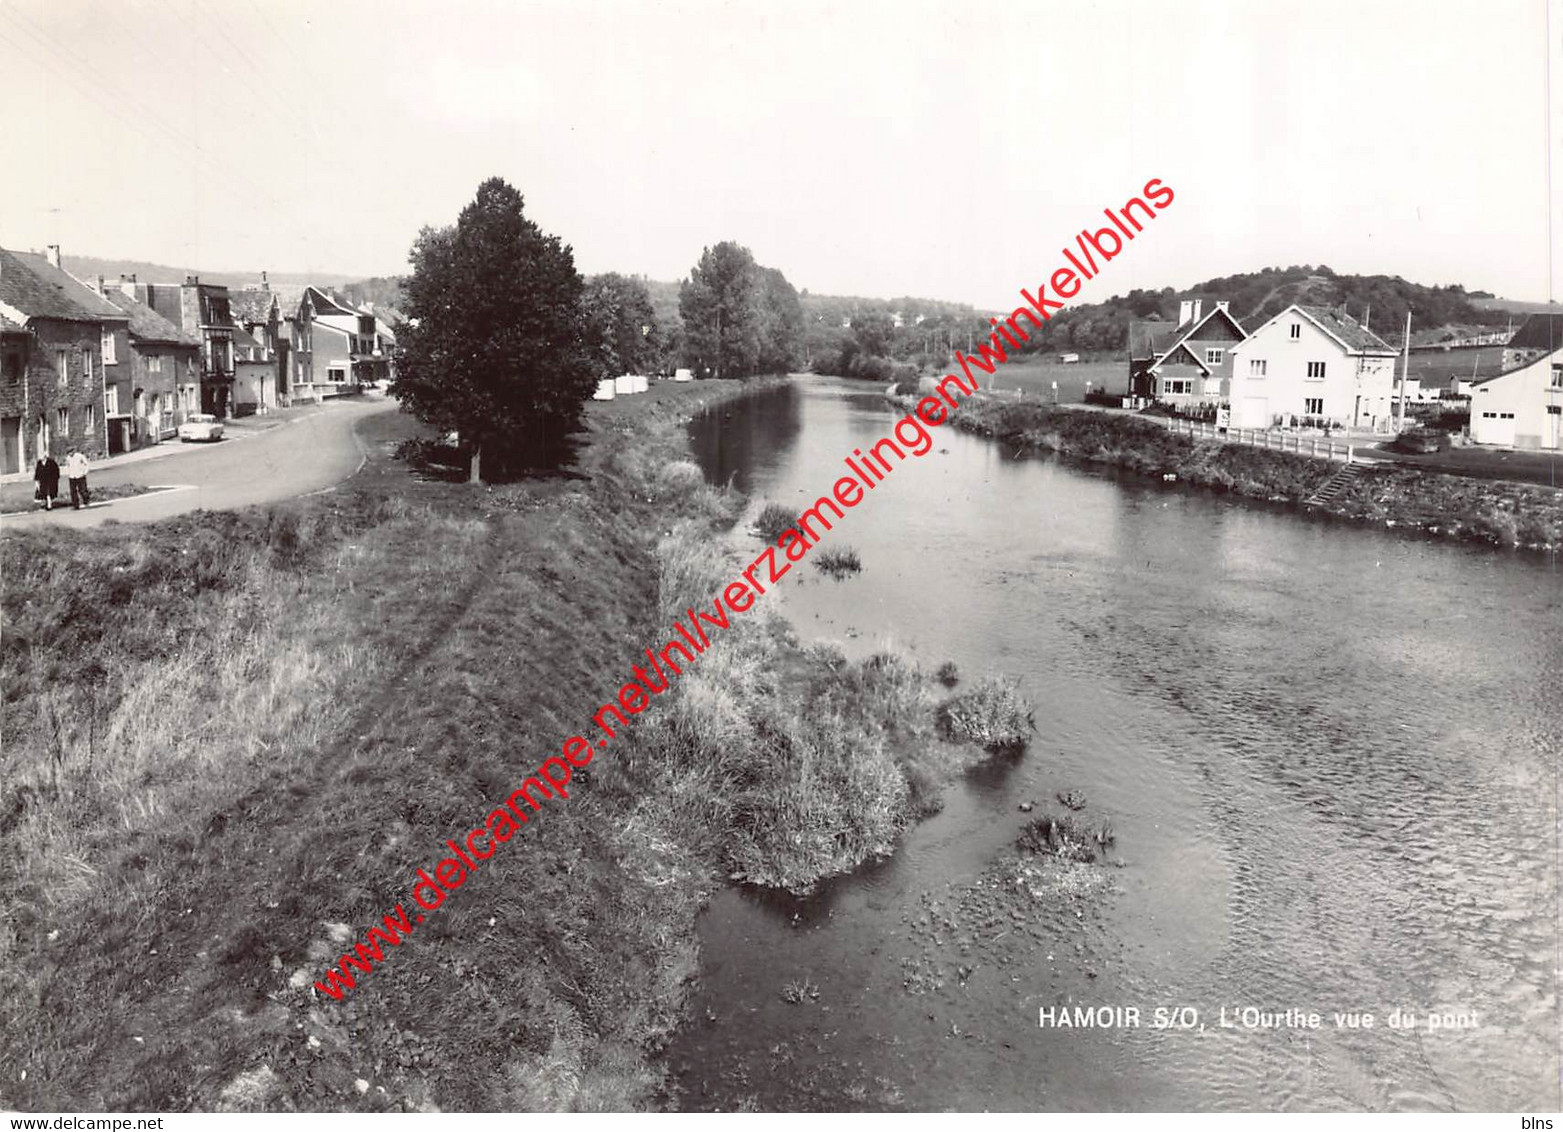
(774,521)
(838,562)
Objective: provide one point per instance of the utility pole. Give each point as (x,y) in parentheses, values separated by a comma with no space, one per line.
(1405,372)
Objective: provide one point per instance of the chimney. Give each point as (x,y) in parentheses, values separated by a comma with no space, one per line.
(264,284)
(53,252)
(1196,304)
(1223,304)
(192,280)
(100,284)
(1185,312)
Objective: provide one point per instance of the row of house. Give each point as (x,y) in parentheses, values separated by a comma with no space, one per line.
(1313,366)
(106,367)
(1306,366)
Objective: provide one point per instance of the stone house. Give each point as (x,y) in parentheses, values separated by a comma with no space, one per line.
(165,367)
(59,342)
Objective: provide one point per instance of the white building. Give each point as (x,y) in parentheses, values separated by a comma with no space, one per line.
(1312,366)
(1522,408)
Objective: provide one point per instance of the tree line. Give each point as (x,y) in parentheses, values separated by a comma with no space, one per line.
(502,341)
(1380,300)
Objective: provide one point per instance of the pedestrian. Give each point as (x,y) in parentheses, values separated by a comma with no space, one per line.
(76,472)
(47,476)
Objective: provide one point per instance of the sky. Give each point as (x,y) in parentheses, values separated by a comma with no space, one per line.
(940,149)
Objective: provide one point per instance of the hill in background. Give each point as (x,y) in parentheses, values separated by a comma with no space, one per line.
(1438,313)
(88,267)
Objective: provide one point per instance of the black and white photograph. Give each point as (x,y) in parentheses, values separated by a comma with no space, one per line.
(673,556)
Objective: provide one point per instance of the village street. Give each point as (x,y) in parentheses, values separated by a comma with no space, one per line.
(312,452)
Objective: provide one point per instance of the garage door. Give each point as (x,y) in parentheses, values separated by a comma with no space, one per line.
(1495,429)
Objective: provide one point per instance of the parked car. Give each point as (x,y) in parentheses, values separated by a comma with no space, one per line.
(201,426)
(1422,441)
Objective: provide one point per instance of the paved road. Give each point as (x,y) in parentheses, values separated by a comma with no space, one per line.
(308,454)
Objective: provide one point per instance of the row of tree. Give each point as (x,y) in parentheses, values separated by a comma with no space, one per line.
(503,341)
(739,318)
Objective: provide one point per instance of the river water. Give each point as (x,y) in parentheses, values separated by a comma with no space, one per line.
(1330,755)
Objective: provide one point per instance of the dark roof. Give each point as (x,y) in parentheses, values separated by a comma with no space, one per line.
(251,305)
(1522,365)
(1347,329)
(146,324)
(323,298)
(242,337)
(34,286)
(1540,332)
(1150,339)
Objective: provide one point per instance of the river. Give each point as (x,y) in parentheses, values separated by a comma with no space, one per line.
(1330,755)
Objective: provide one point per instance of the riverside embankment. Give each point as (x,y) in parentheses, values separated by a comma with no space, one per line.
(230,738)
(1487,511)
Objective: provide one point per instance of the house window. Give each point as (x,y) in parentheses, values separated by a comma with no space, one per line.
(62,361)
(109,356)
(1555,410)
(1505,416)
(1213,356)
(1557,375)
(12,365)
(334,374)
(1173,385)
(86,364)
(1257,367)
(90,425)
(1316,371)
(1313,406)
(155,364)
(62,423)
(1296,331)
(111,401)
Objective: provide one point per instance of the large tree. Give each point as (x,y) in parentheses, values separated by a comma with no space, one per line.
(621,325)
(718,305)
(494,344)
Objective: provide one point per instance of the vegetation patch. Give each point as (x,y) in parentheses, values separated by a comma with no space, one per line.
(18,499)
(838,561)
(993,714)
(774,520)
(1066,837)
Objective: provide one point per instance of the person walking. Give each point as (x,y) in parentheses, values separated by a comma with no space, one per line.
(46,474)
(76,472)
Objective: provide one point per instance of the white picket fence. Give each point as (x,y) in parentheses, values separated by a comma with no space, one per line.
(1324,448)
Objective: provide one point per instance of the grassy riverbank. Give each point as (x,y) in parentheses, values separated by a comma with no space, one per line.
(231,739)
(1495,512)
